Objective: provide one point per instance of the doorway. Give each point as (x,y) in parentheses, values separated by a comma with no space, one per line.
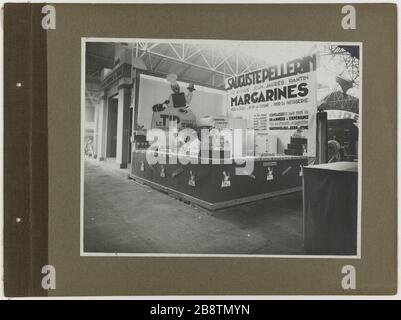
(112,112)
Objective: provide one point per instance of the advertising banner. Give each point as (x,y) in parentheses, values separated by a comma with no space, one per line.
(278,99)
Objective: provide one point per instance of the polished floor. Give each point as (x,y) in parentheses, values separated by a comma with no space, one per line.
(122,216)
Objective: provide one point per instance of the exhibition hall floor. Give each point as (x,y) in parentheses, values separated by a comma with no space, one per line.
(122,216)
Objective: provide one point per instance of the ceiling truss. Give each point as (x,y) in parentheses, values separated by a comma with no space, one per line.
(351,63)
(221,65)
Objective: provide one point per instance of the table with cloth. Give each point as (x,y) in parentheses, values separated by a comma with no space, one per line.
(330,206)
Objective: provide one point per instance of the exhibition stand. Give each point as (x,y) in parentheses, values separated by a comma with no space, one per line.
(275,110)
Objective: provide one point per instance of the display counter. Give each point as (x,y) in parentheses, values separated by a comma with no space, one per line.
(215,185)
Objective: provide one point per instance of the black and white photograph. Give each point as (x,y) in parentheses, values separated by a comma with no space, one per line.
(220,148)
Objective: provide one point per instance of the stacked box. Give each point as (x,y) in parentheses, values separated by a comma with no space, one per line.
(296,147)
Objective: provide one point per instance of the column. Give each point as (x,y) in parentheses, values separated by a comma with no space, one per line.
(102,127)
(96,130)
(123,134)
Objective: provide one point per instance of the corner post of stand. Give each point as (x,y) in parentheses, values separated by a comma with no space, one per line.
(321,137)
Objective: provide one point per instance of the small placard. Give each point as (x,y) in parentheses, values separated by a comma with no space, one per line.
(162,172)
(269,164)
(226,180)
(191,181)
(269,174)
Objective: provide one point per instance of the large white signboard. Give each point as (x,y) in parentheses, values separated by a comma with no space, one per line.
(279,99)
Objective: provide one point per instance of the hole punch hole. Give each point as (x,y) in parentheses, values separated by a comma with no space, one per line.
(18,84)
(18,220)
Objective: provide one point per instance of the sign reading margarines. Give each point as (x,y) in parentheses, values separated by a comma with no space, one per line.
(279,99)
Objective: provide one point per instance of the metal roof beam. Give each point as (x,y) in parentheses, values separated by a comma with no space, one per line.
(204,58)
(192,55)
(223,61)
(148,48)
(185,61)
(175,51)
(230,67)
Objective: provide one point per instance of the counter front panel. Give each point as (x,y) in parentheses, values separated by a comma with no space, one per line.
(216,185)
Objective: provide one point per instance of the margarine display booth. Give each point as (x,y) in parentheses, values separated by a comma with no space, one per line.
(218,148)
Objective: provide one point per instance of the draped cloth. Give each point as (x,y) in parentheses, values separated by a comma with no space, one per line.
(330,205)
